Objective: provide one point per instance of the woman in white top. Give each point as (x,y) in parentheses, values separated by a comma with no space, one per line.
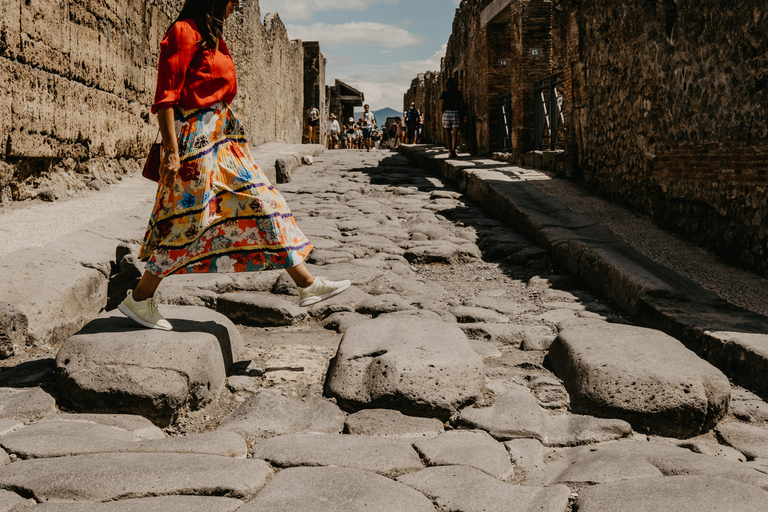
(333,130)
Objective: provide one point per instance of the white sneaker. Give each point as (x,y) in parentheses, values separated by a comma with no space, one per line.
(321,289)
(144,313)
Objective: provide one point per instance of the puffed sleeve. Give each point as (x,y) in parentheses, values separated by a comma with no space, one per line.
(177,50)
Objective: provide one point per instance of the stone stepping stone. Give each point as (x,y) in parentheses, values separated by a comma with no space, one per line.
(343,302)
(471,490)
(516,414)
(469,315)
(484,349)
(12,502)
(604,467)
(500,305)
(382,304)
(343,320)
(527,454)
(164,503)
(337,489)
(63,438)
(391,423)
(442,252)
(267,413)
(138,426)
(384,455)
(327,257)
(678,493)
(110,476)
(116,366)
(504,333)
(462,448)
(26,404)
(259,310)
(751,440)
(406,363)
(407,287)
(640,375)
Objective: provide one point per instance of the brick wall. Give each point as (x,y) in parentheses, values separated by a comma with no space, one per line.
(77,79)
(669,101)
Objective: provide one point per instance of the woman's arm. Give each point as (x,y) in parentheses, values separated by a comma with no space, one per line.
(170,163)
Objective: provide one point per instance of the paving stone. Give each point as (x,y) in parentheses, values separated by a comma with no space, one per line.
(343,320)
(747,406)
(527,454)
(751,440)
(406,363)
(254,281)
(327,257)
(603,467)
(8,425)
(538,342)
(640,375)
(26,404)
(466,448)
(259,310)
(62,438)
(138,426)
(109,476)
(466,489)
(243,383)
(442,252)
(516,414)
(338,489)
(268,412)
(408,287)
(12,502)
(679,493)
(500,305)
(469,315)
(507,334)
(115,366)
(193,290)
(388,422)
(380,304)
(484,349)
(28,374)
(343,302)
(387,456)
(164,503)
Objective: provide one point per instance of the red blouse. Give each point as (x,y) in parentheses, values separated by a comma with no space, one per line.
(190,78)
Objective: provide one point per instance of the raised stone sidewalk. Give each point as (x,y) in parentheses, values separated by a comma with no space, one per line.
(732,338)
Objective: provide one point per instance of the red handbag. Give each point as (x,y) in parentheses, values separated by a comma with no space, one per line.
(152,165)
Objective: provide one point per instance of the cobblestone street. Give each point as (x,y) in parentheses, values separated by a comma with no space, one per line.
(464,370)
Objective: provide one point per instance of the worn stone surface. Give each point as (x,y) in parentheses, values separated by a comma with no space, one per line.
(527,454)
(11,502)
(259,310)
(602,467)
(112,365)
(640,375)
(469,315)
(387,456)
(26,403)
(13,330)
(164,503)
(137,426)
(410,363)
(516,414)
(382,304)
(388,422)
(343,320)
(268,413)
(507,334)
(337,489)
(464,448)
(679,493)
(105,477)
(751,440)
(442,252)
(471,490)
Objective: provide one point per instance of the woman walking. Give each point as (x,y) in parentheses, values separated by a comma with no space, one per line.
(215,211)
(451,105)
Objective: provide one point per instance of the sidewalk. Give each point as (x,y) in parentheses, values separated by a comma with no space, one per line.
(656,279)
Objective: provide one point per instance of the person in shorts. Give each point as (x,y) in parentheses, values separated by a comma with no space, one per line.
(333,130)
(367,122)
(412,120)
(351,134)
(451,105)
(313,122)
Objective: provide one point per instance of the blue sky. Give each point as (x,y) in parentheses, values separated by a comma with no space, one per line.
(378,47)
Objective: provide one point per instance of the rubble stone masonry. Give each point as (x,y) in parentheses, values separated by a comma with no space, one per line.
(77,78)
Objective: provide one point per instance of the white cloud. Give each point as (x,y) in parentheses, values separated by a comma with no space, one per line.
(385,85)
(356,33)
(337,61)
(302,10)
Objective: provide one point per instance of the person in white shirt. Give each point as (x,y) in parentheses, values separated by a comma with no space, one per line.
(367,121)
(313,122)
(334,130)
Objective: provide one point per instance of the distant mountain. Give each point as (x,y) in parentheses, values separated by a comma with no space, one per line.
(381,115)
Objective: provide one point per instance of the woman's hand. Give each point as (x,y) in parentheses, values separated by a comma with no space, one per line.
(169,167)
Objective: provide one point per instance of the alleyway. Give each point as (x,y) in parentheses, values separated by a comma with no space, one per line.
(463,371)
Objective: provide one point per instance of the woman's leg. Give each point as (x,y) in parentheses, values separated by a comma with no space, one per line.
(454,138)
(301,275)
(312,290)
(448,140)
(146,287)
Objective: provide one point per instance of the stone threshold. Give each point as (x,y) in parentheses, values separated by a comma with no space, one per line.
(730,337)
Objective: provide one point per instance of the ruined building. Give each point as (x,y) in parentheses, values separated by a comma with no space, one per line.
(664,103)
(77,80)
(314,86)
(343,98)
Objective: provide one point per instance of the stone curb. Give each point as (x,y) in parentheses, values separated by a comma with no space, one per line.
(731,338)
(283,163)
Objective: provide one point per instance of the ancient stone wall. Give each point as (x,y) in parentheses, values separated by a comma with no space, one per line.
(77,79)
(425,91)
(670,107)
(314,87)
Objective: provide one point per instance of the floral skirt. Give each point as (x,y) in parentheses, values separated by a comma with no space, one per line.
(221,214)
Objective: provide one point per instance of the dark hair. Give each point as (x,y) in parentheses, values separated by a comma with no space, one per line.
(451,85)
(208,15)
